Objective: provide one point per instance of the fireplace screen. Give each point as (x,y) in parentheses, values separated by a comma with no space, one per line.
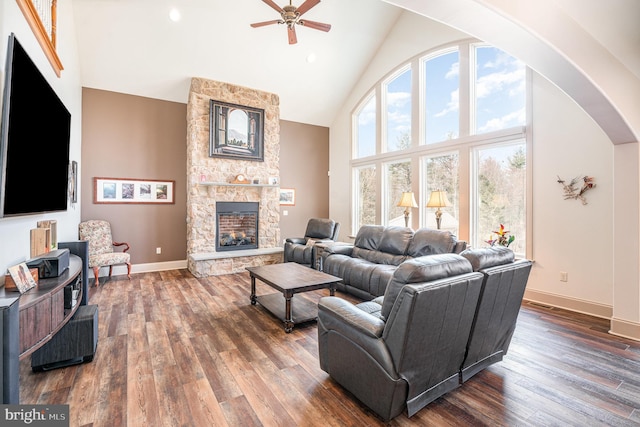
(236,226)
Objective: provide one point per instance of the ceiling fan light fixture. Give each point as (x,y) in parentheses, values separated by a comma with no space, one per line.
(290,15)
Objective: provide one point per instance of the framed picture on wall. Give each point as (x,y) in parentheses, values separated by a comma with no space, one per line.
(128,190)
(235,131)
(287,196)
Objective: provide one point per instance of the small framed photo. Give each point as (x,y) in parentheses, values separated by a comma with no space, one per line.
(22,277)
(128,190)
(287,196)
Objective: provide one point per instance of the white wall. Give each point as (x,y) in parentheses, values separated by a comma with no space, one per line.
(14,232)
(566,141)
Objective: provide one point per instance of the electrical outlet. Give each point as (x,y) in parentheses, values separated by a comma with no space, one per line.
(564,276)
(285,213)
(158,251)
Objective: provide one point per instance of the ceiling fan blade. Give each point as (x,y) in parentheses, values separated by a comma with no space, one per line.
(262,24)
(273,5)
(291,31)
(304,7)
(315,25)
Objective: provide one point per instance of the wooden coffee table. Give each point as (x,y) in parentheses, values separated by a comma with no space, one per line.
(289,279)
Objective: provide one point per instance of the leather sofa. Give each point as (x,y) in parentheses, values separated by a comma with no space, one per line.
(442,319)
(301,249)
(366,266)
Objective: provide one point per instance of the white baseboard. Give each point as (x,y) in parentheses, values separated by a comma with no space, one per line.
(121,270)
(572,304)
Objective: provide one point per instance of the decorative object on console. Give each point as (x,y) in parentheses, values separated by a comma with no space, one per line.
(572,192)
(503,238)
(22,279)
(40,241)
(407,201)
(129,190)
(101,243)
(438,199)
(235,131)
(52,225)
(290,16)
(287,196)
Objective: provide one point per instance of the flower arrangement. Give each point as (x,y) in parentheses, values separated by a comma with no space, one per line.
(503,237)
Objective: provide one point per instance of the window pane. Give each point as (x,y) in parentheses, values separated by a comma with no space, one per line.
(501,192)
(441,173)
(397,180)
(398,112)
(366,197)
(499,90)
(366,129)
(442,82)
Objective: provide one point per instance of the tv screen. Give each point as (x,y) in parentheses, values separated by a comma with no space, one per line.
(34,144)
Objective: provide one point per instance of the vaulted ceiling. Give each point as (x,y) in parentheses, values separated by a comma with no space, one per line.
(131,46)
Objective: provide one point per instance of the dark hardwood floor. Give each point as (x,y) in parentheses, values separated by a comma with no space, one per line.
(175,350)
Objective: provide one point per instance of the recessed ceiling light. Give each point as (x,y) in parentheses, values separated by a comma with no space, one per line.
(311,58)
(174,15)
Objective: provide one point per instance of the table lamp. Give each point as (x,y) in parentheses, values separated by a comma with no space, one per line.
(438,199)
(407,201)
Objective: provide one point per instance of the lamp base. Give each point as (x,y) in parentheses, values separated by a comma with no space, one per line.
(438,218)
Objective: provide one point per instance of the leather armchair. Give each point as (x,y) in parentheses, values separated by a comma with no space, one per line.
(301,249)
(406,348)
(503,288)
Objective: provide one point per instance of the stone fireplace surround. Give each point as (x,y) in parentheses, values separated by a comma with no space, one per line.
(208,181)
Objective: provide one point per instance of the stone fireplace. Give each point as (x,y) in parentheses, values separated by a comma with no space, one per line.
(210,181)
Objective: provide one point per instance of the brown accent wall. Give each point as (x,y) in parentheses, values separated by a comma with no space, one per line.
(304,164)
(134,137)
(125,136)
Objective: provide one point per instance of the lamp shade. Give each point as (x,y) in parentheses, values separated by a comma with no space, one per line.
(408,200)
(438,199)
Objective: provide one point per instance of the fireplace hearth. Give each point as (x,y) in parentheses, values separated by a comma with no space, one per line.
(236,225)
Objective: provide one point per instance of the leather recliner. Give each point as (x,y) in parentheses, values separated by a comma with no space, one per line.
(503,288)
(408,351)
(301,249)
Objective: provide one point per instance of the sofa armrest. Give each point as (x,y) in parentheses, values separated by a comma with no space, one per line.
(296,240)
(345,317)
(340,249)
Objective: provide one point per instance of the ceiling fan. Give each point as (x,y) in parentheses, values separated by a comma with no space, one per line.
(291,17)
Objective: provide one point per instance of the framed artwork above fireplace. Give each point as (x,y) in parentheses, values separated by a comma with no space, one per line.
(236,131)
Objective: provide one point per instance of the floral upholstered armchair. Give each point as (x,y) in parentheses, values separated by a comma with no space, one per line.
(101,247)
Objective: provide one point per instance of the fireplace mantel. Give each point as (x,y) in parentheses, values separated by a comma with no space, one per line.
(228,184)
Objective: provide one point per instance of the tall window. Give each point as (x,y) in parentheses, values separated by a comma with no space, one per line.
(499,88)
(466,93)
(441,172)
(365,124)
(365,206)
(397,179)
(441,92)
(500,193)
(398,111)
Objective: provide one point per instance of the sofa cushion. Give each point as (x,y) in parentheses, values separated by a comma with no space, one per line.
(368,237)
(427,241)
(395,240)
(377,257)
(482,258)
(423,269)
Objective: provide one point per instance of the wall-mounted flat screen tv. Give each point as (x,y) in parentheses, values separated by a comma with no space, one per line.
(34,140)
